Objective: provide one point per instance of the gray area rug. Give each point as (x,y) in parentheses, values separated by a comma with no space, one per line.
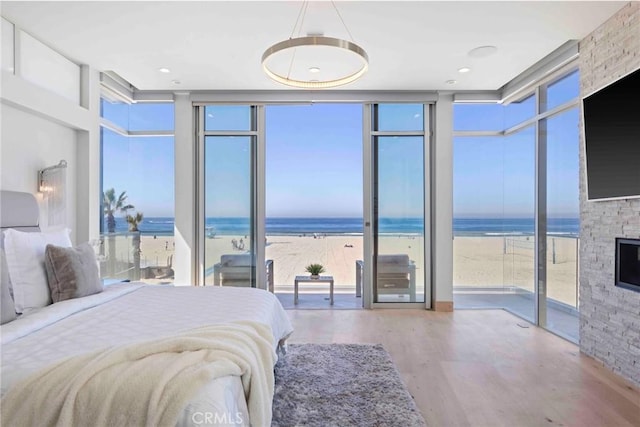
(341,385)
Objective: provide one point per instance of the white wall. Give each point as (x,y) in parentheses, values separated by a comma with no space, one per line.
(29,143)
(442,199)
(50,111)
(7,43)
(45,67)
(185,188)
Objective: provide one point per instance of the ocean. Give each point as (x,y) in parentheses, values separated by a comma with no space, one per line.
(163,226)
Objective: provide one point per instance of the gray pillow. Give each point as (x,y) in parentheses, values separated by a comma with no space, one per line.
(8,310)
(71,272)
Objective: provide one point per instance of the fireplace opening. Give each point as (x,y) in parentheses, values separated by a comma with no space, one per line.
(628,263)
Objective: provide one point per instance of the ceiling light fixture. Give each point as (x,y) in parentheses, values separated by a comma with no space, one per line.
(164,70)
(451,82)
(279,61)
(464,70)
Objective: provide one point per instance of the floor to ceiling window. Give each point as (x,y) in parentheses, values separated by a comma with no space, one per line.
(562,208)
(494,180)
(506,158)
(137,226)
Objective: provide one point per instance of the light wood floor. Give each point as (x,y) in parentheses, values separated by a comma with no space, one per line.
(482,367)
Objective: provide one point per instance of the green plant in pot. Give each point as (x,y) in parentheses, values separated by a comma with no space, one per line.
(314,270)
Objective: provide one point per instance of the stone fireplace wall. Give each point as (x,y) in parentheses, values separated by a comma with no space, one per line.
(609,316)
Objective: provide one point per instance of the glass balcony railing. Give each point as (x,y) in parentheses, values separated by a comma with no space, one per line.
(505,264)
(136,257)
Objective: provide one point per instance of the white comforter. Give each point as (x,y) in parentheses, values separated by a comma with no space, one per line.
(126,313)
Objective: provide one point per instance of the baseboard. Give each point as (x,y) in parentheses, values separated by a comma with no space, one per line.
(443,306)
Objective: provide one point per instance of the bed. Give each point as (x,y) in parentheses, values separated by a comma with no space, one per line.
(129,313)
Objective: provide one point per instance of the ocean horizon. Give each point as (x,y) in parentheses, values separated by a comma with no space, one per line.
(164,226)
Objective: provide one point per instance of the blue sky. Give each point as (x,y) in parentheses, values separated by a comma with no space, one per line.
(496,176)
(314,160)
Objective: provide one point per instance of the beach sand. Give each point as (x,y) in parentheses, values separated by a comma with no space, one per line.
(119,253)
(495,262)
(338,254)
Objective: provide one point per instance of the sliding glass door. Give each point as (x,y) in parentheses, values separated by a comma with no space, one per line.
(395,226)
(399,154)
(229,174)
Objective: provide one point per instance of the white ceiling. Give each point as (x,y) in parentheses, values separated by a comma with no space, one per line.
(218,45)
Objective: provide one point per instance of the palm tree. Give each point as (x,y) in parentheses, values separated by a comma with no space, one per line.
(111,206)
(133,222)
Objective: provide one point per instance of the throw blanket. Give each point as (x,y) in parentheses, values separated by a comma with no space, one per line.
(147,383)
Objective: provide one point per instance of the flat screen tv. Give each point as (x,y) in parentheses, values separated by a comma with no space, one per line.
(612,139)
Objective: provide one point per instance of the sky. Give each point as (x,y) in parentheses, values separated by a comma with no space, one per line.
(141,166)
(495,176)
(314,160)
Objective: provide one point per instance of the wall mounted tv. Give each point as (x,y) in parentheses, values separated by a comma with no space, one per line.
(612,139)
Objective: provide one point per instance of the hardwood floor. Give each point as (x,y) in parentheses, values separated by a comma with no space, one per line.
(482,367)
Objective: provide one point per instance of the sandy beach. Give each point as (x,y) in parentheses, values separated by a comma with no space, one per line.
(291,254)
(154,252)
(338,254)
(508,261)
(487,263)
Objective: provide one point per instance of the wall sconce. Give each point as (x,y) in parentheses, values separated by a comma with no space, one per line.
(52,183)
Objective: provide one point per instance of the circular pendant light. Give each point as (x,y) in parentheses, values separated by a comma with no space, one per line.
(331,62)
(310,42)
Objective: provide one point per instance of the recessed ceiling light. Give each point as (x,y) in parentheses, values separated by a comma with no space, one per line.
(164,70)
(176,82)
(314,70)
(451,82)
(482,51)
(464,70)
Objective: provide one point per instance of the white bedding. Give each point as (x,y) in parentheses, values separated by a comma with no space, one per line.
(131,312)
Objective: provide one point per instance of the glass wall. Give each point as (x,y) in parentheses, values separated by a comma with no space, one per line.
(495,187)
(563,226)
(137,226)
(494,184)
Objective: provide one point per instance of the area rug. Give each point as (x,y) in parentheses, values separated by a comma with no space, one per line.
(341,385)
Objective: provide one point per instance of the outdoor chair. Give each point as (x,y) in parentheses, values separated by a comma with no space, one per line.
(396,276)
(238,270)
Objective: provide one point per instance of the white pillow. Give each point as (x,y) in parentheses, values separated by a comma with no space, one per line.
(25,259)
(8,311)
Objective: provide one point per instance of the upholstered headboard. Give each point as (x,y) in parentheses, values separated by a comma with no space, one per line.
(18,210)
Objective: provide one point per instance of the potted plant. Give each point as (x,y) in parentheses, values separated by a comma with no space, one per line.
(314,270)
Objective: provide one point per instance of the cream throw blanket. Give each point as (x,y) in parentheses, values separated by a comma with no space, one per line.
(147,383)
